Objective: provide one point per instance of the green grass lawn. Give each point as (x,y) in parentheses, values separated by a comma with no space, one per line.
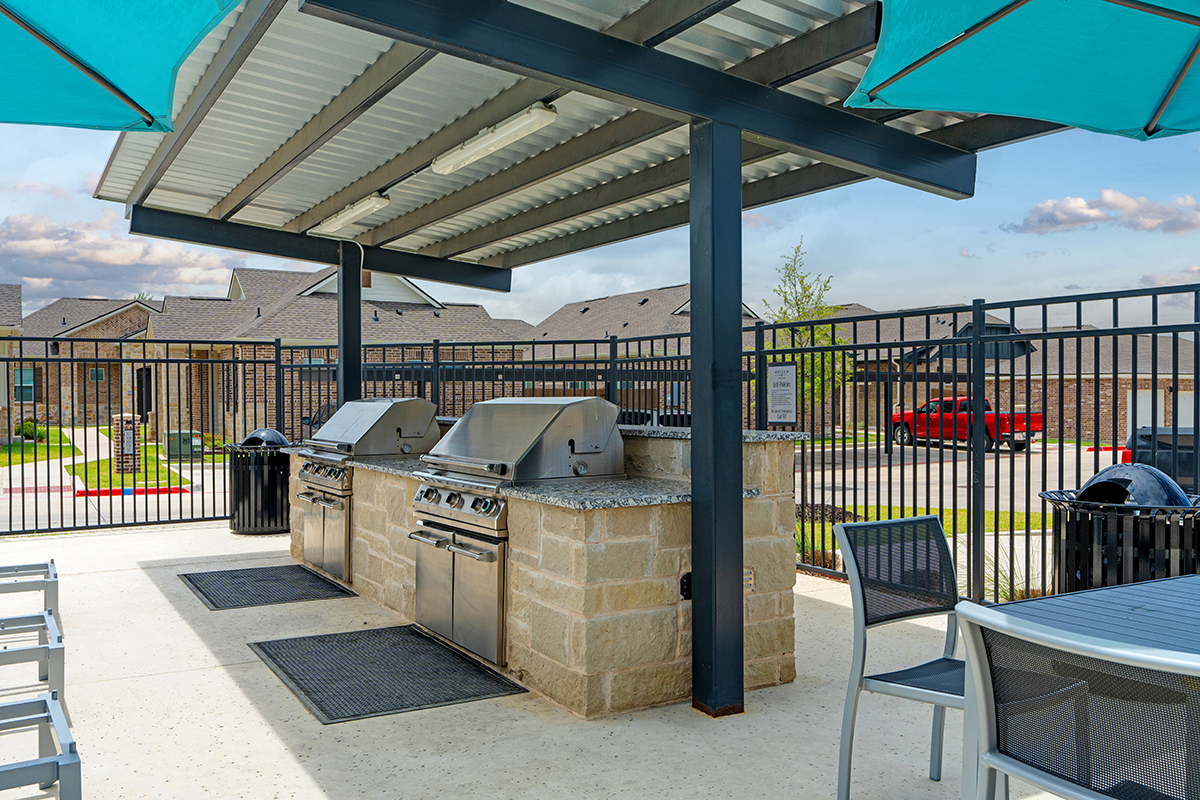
(55,446)
(950,522)
(99,474)
(210,458)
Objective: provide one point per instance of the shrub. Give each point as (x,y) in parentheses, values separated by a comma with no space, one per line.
(31,430)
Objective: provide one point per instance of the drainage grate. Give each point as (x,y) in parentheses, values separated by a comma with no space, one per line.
(345,676)
(261,586)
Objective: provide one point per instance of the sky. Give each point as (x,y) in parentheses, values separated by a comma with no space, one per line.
(1071,212)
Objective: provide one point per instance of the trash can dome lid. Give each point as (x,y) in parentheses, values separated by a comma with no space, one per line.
(265,436)
(1136,484)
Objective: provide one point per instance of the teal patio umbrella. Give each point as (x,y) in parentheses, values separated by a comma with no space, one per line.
(1116,66)
(107,64)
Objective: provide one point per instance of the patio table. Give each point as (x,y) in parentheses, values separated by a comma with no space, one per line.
(1156,623)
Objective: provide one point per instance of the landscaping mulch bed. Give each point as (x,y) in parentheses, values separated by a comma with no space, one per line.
(814,512)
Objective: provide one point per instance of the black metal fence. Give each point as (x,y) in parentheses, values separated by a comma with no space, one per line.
(886,410)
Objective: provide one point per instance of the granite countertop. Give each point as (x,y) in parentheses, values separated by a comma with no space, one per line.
(392,465)
(608,493)
(648,432)
(579,495)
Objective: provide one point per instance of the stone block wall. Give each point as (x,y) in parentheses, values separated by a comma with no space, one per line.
(595,618)
(595,621)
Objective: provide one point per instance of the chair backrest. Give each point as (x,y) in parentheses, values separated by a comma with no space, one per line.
(1109,727)
(903,567)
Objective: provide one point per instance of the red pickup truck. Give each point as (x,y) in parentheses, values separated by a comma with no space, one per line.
(949,419)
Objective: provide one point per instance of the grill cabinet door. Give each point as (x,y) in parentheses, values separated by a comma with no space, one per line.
(435,582)
(337,537)
(314,530)
(479,596)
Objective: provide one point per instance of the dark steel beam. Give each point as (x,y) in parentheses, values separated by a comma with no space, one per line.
(233,52)
(299,247)
(527,42)
(831,44)
(975,135)
(636,27)
(857,32)
(349,311)
(716,325)
(677,17)
(393,68)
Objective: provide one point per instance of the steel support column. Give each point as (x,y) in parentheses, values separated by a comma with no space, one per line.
(349,307)
(716,291)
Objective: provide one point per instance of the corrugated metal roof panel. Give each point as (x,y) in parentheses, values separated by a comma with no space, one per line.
(135,149)
(300,64)
(303,62)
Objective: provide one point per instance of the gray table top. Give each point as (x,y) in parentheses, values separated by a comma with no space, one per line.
(1163,614)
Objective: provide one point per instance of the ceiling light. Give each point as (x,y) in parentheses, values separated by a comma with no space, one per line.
(488,141)
(352,213)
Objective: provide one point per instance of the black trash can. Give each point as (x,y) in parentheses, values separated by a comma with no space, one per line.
(1129,523)
(258,483)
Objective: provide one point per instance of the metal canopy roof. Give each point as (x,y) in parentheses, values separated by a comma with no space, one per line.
(283,119)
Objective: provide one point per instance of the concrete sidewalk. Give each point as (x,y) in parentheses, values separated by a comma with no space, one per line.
(169,702)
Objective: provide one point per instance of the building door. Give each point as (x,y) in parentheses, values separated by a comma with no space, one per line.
(143,391)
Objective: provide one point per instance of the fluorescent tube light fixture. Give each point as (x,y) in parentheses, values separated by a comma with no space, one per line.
(351,214)
(488,141)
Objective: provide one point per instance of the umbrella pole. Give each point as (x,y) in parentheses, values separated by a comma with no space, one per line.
(79,65)
(1152,126)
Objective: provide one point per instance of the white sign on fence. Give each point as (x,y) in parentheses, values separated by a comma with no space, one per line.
(781,394)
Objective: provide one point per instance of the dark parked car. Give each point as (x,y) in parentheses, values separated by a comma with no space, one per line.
(1153,446)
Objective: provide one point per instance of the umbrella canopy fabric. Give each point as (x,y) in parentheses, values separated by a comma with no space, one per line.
(107,64)
(1115,66)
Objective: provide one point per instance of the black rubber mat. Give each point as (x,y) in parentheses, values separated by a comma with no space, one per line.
(261,586)
(370,673)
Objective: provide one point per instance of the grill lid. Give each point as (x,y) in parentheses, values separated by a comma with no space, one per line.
(534,438)
(379,426)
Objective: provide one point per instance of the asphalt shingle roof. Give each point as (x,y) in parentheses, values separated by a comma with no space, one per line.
(10,305)
(275,307)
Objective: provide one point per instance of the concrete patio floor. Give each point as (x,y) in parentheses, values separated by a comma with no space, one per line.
(169,702)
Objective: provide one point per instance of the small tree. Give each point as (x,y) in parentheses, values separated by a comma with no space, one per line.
(143,296)
(802,300)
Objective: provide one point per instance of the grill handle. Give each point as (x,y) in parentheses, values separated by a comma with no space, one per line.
(428,540)
(336,505)
(486,556)
(309,496)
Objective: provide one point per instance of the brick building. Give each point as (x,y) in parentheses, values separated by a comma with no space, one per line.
(58,373)
(11,325)
(220,376)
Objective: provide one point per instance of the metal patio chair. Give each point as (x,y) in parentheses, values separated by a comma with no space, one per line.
(1078,716)
(898,570)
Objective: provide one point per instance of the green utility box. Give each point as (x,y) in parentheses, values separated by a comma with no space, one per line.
(184,444)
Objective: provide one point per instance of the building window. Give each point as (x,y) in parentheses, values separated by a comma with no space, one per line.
(314,361)
(96,374)
(23,385)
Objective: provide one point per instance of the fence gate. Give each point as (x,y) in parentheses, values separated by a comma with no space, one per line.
(103,433)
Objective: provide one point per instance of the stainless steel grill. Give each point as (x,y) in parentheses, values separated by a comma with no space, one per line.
(360,428)
(462,517)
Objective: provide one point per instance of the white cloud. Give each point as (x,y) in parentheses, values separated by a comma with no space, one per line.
(92,257)
(757,221)
(1112,207)
(36,187)
(1186,275)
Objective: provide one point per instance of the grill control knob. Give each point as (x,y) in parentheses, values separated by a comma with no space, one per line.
(432,495)
(580,468)
(406,448)
(487,506)
(454,500)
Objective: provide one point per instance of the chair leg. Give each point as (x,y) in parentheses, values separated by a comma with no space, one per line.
(936,743)
(987,783)
(847,748)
